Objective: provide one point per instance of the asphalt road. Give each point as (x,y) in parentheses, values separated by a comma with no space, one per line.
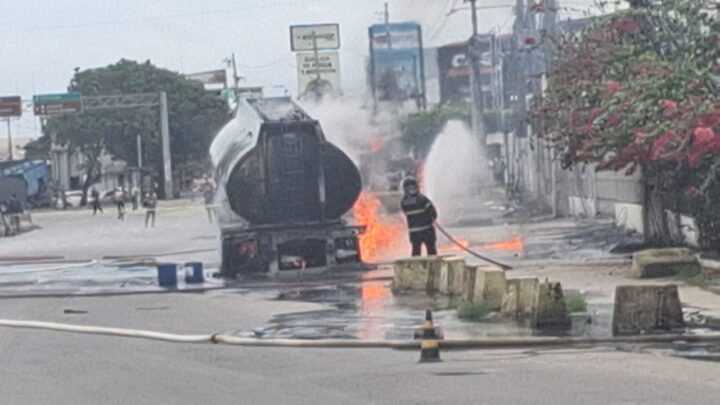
(39,367)
(43,367)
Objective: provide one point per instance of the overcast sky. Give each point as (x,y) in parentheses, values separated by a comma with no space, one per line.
(42,41)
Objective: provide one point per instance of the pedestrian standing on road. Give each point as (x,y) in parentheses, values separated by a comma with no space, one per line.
(150,204)
(421,216)
(96,204)
(209,196)
(119,198)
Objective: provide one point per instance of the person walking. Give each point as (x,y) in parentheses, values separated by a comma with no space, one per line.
(96,204)
(421,216)
(150,204)
(119,198)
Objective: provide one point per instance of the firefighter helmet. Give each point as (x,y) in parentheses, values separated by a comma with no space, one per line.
(408,182)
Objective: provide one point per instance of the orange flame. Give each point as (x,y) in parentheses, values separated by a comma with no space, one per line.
(381,234)
(514,244)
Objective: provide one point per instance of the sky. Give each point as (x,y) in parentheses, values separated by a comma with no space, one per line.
(42,41)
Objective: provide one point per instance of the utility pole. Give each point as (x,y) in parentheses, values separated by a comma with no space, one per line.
(165,133)
(10,142)
(387,14)
(478,123)
(236,79)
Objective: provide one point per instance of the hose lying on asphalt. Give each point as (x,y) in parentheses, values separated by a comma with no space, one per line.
(472,252)
(461,344)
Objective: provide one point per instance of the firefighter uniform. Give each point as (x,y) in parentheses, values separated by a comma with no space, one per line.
(421,216)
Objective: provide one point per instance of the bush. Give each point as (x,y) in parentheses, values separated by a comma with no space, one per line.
(473,311)
(575,303)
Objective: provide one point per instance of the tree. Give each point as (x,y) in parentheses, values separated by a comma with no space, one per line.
(633,91)
(194,115)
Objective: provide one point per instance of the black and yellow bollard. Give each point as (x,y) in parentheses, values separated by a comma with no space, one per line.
(429,345)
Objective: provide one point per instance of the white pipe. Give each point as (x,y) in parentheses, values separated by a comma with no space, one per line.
(461,344)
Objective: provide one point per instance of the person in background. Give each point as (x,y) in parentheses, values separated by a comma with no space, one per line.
(96,205)
(135,195)
(119,198)
(421,216)
(150,204)
(208,190)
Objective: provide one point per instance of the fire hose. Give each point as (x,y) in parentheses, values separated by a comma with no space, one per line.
(470,251)
(457,344)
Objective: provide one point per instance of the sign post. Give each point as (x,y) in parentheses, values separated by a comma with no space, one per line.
(57,104)
(10,107)
(319,72)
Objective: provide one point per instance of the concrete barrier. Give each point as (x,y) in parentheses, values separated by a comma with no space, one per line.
(521,296)
(417,274)
(646,309)
(452,272)
(663,262)
(550,310)
(490,285)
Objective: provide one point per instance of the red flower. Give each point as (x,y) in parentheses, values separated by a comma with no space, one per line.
(703,135)
(640,136)
(613,87)
(538,7)
(717,68)
(586,129)
(658,147)
(613,120)
(530,40)
(691,192)
(669,107)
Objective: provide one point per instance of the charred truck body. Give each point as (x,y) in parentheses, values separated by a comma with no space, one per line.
(282,190)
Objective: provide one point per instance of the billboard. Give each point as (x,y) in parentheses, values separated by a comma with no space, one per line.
(307,37)
(57,104)
(10,107)
(315,77)
(214,80)
(455,71)
(396,62)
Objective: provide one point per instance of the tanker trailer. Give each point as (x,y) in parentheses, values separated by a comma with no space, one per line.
(282,192)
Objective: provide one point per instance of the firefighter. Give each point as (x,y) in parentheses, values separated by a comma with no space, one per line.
(421,216)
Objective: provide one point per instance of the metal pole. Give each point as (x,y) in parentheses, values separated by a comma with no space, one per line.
(167,159)
(387,14)
(478,124)
(10,142)
(139,151)
(235,77)
(317,56)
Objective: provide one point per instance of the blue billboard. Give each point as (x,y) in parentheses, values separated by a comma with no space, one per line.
(396,62)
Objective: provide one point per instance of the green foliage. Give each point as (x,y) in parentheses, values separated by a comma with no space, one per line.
(575,303)
(474,311)
(420,129)
(634,91)
(194,116)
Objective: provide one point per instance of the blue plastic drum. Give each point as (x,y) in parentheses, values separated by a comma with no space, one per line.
(167,275)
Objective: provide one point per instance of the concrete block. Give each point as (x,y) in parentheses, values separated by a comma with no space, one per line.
(452,269)
(663,262)
(550,311)
(417,274)
(646,309)
(468,288)
(490,285)
(521,296)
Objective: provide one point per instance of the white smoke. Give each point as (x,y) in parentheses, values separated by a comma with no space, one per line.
(455,172)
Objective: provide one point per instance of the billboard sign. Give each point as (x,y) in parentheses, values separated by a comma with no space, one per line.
(214,80)
(396,61)
(308,37)
(57,104)
(10,107)
(455,71)
(318,77)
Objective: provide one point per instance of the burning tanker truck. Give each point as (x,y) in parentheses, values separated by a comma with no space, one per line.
(282,192)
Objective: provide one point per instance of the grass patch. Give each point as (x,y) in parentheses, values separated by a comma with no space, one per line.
(473,311)
(575,303)
(693,276)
